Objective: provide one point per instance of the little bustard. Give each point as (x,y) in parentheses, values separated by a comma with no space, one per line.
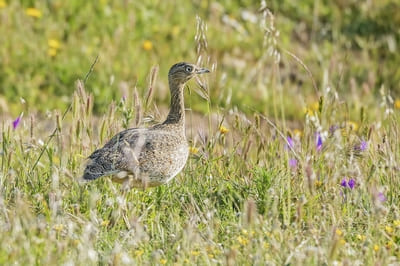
(148,157)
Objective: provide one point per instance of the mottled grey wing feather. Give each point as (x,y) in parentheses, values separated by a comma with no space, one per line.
(119,154)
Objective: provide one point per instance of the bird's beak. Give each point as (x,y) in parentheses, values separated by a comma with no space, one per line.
(202,71)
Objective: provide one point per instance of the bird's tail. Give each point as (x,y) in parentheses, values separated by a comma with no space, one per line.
(93,170)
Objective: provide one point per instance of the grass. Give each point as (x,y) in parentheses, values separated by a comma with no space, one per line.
(258,188)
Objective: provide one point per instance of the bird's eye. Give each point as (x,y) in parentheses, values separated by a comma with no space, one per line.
(188,69)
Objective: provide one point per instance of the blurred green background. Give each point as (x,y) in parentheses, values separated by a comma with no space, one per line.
(244,197)
(47,45)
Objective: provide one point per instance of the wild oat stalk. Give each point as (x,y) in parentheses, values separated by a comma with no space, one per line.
(46,144)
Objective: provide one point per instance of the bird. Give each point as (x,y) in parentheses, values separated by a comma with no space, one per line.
(148,157)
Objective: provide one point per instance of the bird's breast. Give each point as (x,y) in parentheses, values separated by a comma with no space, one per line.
(160,161)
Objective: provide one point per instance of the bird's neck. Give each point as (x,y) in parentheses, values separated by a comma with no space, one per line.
(177,112)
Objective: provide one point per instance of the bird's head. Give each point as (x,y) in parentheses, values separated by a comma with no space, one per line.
(183,72)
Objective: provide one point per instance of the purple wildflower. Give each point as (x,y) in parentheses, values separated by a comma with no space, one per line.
(351,183)
(289,143)
(381,197)
(319,142)
(293,163)
(363,145)
(17,121)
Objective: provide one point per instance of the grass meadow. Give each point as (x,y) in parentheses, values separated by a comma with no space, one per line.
(294,135)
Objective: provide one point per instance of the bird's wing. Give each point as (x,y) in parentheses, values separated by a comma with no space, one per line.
(121,153)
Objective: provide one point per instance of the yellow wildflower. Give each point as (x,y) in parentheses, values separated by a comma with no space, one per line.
(389,229)
(396,223)
(147,45)
(339,232)
(397,104)
(53,43)
(195,253)
(139,252)
(223,130)
(163,261)
(242,240)
(315,106)
(52,52)
(33,12)
(56,160)
(58,227)
(318,183)
(351,126)
(297,132)
(266,245)
(342,241)
(389,244)
(361,237)
(308,111)
(3,4)
(193,150)
(210,255)
(212,250)
(376,247)
(105,223)
(76,242)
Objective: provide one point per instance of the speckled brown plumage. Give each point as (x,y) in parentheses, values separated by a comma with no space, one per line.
(147,157)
